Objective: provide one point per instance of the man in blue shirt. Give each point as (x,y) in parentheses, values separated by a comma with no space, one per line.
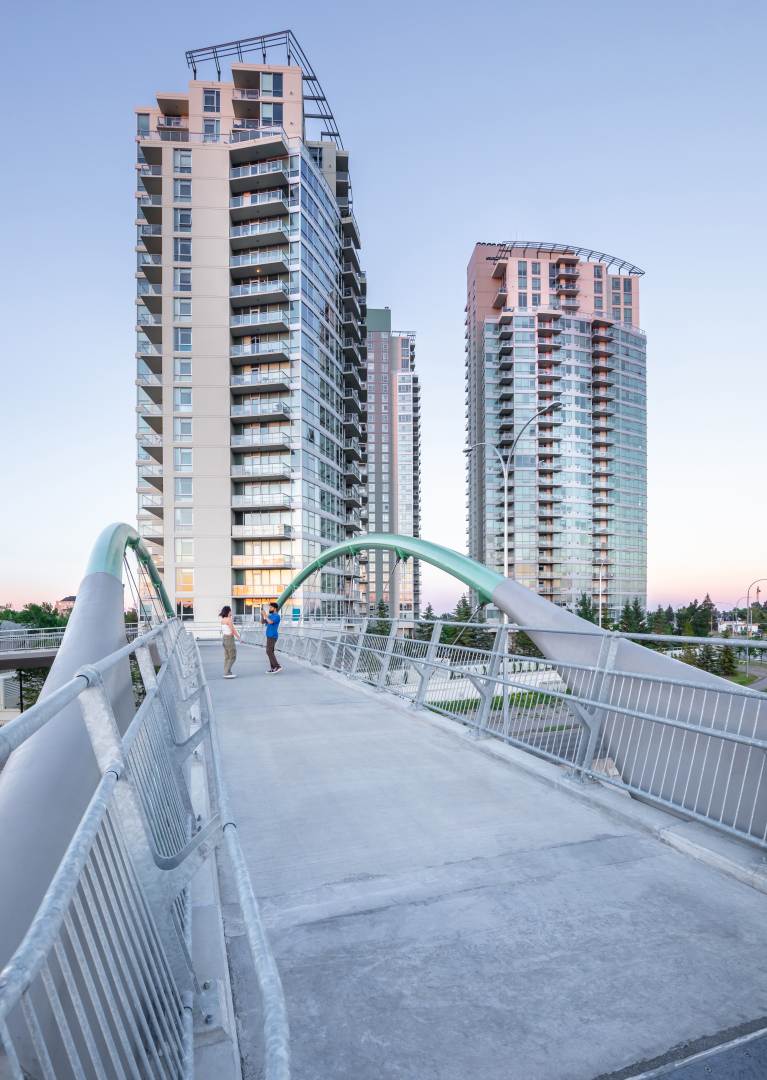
(272,622)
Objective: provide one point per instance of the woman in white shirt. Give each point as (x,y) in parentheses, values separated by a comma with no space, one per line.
(228,633)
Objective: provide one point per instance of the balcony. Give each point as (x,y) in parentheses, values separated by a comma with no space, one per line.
(273,231)
(272,500)
(353,449)
(352,399)
(263,175)
(272,440)
(148,438)
(269,349)
(351,471)
(266,291)
(261,380)
(351,255)
(148,408)
(147,348)
(353,374)
(270,260)
(253,144)
(351,301)
(353,521)
(350,229)
(144,170)
(276,530)
(267,321)
(273,201)
(351,327)
(148,378)
(352,496)
(501,296)
(148,318)
(342,182)
(151,236)
(257,562)
(351,276)
(150,206)
(262,409)
(271,470)
(352,425)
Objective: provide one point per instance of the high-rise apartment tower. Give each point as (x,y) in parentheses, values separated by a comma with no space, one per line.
(393,461)
(546,324)
(251,336)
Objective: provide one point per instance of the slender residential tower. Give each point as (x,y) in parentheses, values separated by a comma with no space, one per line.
(394,461)
(546,324)
(251,336)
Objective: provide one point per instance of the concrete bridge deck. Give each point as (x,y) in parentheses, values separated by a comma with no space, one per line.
(437,912)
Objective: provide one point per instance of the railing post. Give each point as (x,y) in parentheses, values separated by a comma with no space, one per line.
(592,719)
(428,665)
(497,661)
(386,661)
(358,648)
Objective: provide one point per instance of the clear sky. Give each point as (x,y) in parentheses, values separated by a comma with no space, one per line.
(636,129)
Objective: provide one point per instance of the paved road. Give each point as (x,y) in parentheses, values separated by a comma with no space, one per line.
(438,914)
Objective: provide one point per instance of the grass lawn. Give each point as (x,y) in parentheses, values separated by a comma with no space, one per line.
(742,679)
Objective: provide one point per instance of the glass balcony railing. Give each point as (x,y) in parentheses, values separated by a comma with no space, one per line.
(261,348)
(269,469)
(260,228)
(260,257)
(261,378)
(277,499)
(264,168)
(256,318)
(256,288)
(262,438)
(259,199)
(261,408)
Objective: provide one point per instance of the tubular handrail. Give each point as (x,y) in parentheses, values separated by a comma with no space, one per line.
(126,790)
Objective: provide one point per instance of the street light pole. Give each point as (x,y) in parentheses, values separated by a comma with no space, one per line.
(506,470)
(748,613)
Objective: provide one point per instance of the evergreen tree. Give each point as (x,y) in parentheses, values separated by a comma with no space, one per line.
(659,622)
(585,608)
(728,661)
(637,617)
(424,626)
(706,617)
(689,656)
(670,619)
(624,623)
(382,622)
(707,659)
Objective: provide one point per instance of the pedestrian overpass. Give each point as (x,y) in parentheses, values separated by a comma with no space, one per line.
(404,856)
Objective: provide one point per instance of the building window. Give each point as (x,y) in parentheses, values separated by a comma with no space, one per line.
(182,190)
(185,610)
(271,84)
(184,518)
(182,429)
(211,101)
(617,313)
(628,315)
(522,300)
(182,280)
(271,114)
(182,399)
(182,339)
(598,303)
(598,288)
(182,459)
(182,220)
(211,130)
(184,580)
(182,368)
(182,308)
(182,161)
(535,267)
(536,299)
(182,249)
(184,550)
(183,487)
(142,123)
(597,271)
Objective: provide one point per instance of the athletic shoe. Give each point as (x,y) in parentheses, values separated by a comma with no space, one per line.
(230,676)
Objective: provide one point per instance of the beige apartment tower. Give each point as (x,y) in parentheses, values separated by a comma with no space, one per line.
(250,335)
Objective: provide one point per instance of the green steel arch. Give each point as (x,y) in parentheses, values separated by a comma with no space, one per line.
(109,550)
(471,573)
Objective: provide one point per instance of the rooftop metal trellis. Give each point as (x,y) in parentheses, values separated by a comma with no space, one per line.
(542,247)
(295,55)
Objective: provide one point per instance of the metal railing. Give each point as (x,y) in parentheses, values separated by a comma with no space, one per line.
(102,983)
(36,637)
(692,745)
